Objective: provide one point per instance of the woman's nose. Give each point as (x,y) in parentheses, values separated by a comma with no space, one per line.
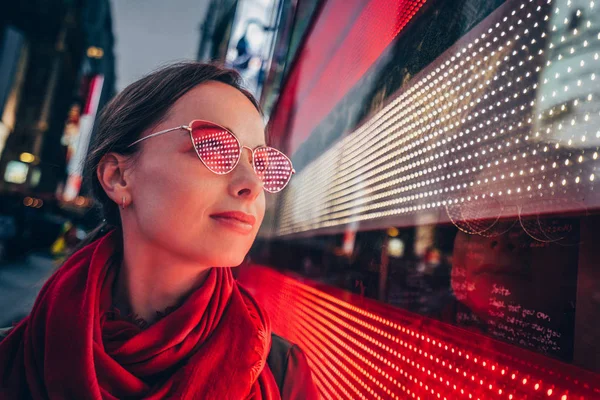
(245,182)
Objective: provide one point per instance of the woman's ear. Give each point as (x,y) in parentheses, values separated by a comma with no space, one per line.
(113,175)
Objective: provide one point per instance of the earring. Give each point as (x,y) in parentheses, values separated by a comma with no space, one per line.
(123,203)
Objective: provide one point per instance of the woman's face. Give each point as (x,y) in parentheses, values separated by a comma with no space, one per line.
(174,197)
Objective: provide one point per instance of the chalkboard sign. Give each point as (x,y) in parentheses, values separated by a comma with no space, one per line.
(520,286)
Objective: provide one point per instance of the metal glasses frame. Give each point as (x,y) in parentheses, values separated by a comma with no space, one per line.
(242,147)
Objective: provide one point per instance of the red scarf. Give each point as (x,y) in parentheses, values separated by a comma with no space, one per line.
(212,347)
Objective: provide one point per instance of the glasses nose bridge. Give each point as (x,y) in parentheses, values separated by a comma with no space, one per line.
(242,147)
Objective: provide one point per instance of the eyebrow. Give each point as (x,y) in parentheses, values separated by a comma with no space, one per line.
(232,131)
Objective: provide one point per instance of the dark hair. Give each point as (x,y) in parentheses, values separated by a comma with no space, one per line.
(138,107)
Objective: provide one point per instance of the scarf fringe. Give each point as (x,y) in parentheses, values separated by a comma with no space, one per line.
(262,346)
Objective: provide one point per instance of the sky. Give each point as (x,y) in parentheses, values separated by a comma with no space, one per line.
(151,33)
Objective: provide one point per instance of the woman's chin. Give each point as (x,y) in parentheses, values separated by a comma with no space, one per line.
(221,256)
(227,261)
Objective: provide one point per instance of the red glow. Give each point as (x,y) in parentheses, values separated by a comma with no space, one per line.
(361,349)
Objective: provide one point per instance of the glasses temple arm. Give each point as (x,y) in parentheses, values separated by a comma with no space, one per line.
(159,133)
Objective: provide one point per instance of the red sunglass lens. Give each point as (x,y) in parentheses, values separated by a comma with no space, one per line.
(273,167)
(216,147)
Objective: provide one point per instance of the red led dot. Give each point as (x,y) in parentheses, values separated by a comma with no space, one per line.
(549,392)
(537,386)
(524,381)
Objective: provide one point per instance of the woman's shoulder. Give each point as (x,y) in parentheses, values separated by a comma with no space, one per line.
(291,371)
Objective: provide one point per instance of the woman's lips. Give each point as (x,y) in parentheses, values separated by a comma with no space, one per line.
(235,220)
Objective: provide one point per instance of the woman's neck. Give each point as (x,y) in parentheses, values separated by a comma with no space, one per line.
(151,279)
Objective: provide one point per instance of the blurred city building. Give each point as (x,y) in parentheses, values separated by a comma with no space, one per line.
(57,69)
(55,56)
(259,38)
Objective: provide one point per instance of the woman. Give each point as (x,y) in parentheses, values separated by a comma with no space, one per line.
(149,308)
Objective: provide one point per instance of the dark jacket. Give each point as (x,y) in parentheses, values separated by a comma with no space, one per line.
(290,368)
(288,364)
